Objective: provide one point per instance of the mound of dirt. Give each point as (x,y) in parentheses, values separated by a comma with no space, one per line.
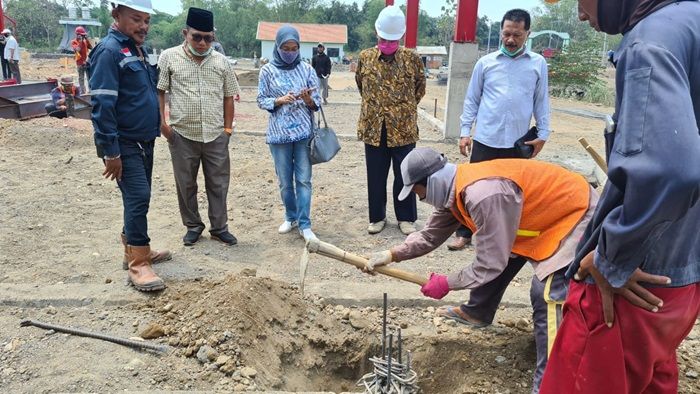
(248,78)
(262,333)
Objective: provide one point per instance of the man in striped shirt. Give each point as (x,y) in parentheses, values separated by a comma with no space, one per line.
(202,85)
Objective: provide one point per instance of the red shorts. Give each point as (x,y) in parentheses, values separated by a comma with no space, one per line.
(636,355)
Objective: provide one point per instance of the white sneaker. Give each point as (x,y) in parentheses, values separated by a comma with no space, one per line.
(308,235)
(407,227)
(375,228)
(286,227)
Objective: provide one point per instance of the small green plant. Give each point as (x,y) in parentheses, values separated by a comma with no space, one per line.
(576,72)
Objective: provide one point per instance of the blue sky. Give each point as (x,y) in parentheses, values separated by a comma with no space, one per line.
(494,9)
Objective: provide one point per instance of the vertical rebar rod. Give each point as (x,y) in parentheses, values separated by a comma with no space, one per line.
(388,365)
(384,325)
(435,110)
(399,344)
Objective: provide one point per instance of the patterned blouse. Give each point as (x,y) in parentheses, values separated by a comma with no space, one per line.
(289,122)
(390,94)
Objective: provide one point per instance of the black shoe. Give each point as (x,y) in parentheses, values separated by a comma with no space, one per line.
(225,237)
(191,237)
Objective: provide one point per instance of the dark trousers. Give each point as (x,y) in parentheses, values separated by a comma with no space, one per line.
(216,166)
(378,159)
(137,168)
(51,110)
(14,69)
(484,300)
(547,298)
(6,73)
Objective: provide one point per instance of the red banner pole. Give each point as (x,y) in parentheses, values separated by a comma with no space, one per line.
(465,25)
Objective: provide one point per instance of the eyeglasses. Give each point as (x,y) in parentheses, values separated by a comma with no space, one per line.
(207,38)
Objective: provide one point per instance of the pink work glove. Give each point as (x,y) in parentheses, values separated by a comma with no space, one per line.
(436,287)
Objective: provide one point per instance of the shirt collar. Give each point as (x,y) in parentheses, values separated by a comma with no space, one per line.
(121,37)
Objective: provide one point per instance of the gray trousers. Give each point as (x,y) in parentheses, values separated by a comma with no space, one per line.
(14,69)
(323,86)
(82,71)
(216,166)
(547,298)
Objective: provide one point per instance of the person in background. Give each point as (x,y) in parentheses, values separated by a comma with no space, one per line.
(6,74)
(391,81)
(287,90)
(61,96)
(322,64)
(507,89)
(636,289)
(81,46)
(201,124)
(11,55)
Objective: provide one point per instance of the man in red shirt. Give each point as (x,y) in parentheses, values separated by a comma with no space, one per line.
(81,45)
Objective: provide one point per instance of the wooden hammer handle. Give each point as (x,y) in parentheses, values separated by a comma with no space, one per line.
(328,250)
(594,154)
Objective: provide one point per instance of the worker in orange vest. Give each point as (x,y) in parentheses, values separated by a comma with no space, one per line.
(518,209)
(81,45)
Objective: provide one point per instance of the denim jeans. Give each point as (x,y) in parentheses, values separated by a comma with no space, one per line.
(293,168)
(137,167)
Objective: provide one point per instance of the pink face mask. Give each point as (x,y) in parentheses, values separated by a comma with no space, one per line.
(388,47)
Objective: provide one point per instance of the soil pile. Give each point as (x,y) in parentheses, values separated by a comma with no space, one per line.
(262,333)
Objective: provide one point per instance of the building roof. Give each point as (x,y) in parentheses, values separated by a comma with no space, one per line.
(308,32)
(440,50)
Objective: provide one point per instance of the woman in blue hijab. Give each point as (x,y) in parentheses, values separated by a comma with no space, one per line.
(286,89)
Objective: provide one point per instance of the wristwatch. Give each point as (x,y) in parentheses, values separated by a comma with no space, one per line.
(111,157)
(228,130)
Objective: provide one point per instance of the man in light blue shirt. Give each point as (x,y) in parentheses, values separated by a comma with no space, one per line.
(507,88)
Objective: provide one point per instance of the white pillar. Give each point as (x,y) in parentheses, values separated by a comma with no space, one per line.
(463,57)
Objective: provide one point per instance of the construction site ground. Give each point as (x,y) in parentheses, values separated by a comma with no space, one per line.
(234,317)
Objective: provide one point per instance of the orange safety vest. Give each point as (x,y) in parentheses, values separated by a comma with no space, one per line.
(554,201)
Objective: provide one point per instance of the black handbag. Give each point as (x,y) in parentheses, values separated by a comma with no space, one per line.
(521,149)
(323,145)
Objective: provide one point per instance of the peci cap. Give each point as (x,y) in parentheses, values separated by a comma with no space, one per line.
(419,164)
(200,19)
(391,23)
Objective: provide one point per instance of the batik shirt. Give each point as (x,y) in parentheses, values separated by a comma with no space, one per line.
(390,93)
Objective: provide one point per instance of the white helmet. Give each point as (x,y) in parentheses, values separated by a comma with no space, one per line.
(391,23)
(138,5)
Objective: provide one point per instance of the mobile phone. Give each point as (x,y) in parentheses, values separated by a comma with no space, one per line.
(310,90)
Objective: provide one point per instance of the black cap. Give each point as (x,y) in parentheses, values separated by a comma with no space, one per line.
(199,19)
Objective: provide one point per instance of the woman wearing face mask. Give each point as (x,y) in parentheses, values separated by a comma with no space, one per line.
(391,81)
(285,90)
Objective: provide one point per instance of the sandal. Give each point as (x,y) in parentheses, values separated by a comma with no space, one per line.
(455,313)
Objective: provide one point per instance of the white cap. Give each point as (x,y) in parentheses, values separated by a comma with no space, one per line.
(137,5)
(391,23)
(6,31)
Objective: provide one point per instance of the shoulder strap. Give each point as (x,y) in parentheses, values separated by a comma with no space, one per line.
(325,124)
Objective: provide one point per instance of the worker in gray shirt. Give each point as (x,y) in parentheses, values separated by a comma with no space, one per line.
(520,209)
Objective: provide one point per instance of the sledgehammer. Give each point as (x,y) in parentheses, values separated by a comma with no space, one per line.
(328,250)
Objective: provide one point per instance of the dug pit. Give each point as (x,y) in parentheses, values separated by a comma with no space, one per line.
(263,335)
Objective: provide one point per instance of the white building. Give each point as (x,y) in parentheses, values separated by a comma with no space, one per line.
(333,37)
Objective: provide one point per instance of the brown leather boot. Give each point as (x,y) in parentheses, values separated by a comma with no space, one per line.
(141,274)
(157,256)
